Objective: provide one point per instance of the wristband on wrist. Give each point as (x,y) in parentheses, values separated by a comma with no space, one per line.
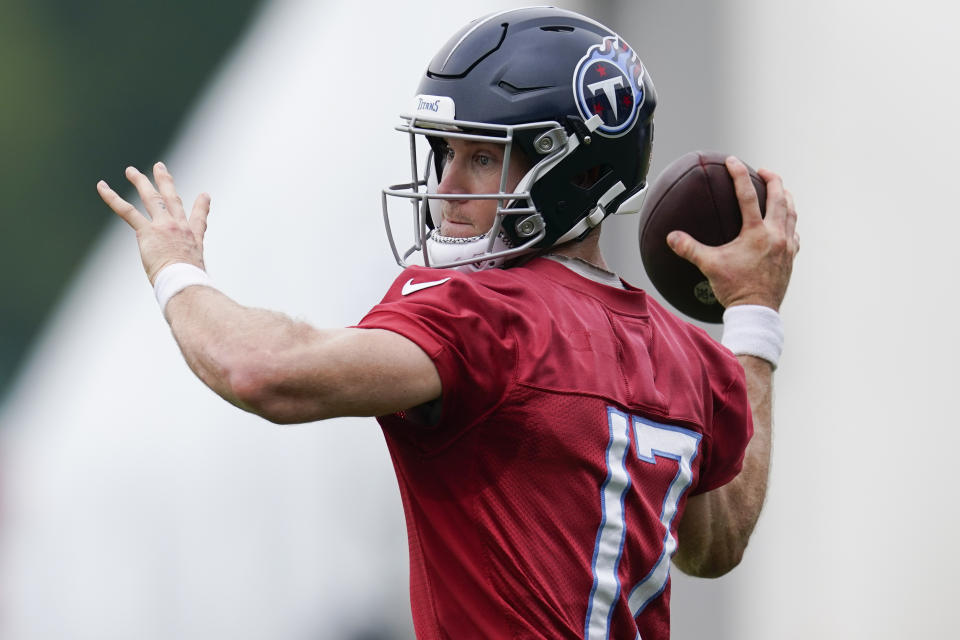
(753,330)
(176,277)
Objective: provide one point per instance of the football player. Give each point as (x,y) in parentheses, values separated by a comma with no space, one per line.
(558,437)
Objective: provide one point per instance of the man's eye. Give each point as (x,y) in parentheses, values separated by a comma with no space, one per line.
(484,160)
(448,153)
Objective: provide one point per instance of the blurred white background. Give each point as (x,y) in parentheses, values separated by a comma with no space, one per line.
(137,504)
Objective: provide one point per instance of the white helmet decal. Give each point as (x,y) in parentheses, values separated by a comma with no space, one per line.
(608,82)
(441,107)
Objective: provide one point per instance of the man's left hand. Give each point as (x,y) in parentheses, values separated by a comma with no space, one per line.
(166,236)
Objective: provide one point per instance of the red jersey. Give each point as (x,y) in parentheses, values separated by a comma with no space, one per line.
(542,494)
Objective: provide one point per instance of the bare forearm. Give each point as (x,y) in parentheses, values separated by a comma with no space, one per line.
(222,341)
(741,500)
(717,525)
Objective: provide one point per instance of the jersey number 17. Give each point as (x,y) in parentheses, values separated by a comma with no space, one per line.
(653,441)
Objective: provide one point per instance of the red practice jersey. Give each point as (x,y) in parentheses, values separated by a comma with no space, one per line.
(543,492)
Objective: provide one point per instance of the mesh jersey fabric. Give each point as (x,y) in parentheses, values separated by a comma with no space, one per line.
(553,386)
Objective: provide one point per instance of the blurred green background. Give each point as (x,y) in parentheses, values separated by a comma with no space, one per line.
(86,88)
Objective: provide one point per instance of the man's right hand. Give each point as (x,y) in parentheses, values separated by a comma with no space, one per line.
(755,267)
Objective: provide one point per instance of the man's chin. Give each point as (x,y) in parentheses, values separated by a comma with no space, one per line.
(457,230)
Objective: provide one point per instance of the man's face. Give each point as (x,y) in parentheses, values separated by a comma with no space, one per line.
(474,167)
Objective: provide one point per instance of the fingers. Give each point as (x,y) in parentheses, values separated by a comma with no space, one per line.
(198,217)
(165,202)
(168,190)
(781,211)
(791,214)
(776,197)
(151,199)
(746,193)
(127,212)
(791,225)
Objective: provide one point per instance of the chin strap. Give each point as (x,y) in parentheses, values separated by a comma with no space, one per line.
(595,217)
(634,203)
(599,212)
(443,250)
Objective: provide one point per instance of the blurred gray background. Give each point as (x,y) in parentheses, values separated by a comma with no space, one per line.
(134,503)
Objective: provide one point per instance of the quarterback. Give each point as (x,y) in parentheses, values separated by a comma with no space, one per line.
(558,437)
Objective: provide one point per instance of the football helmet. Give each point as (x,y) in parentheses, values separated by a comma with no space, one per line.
(566,91)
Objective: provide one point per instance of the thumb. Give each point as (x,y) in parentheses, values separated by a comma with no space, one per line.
(685,246)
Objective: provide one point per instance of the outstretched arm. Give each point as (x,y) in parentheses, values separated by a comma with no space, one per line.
(753,269)
(262,361)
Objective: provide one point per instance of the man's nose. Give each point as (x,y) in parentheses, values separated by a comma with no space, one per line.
(451,180)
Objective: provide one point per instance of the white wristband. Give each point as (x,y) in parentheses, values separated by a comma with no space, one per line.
(176,277)
(753,330)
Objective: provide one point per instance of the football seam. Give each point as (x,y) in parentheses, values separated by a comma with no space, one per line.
(713,198)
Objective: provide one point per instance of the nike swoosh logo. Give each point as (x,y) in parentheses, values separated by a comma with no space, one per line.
(409,287)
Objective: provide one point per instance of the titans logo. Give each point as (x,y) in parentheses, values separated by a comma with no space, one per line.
(608,82)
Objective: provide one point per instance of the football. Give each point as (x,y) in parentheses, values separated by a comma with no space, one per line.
(695,194)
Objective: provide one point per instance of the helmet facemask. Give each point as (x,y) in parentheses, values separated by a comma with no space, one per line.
(517,226)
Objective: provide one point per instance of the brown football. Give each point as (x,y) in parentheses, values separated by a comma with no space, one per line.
(695,194)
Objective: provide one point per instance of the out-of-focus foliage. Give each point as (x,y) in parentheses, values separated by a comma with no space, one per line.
(86,88)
